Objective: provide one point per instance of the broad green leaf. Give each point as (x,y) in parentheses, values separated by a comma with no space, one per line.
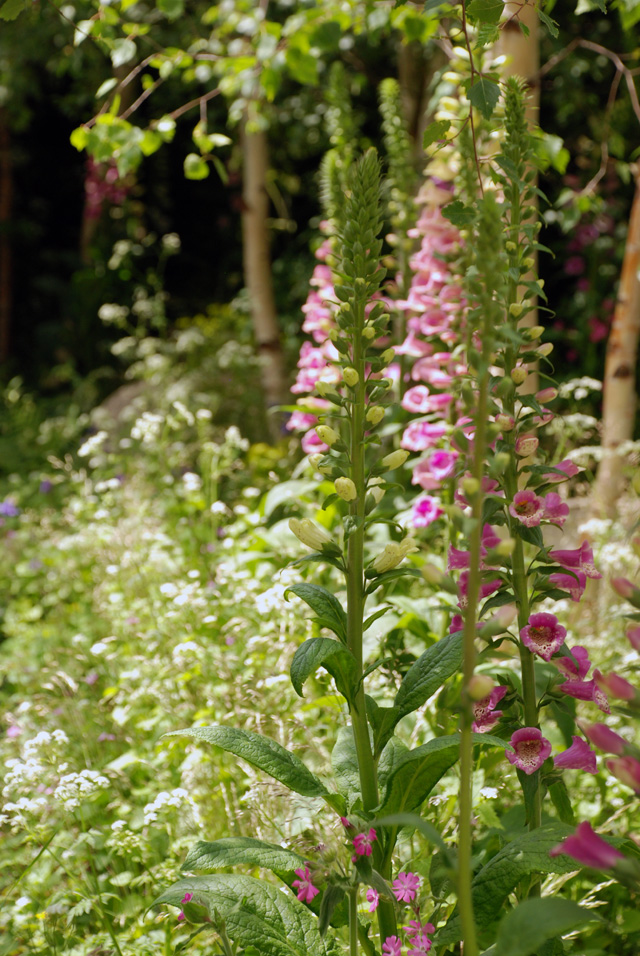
(195,167)
(490,887)
(458,214)
(106,87)
(11,9)
(429,673)
(172,9)
(124,50)
(206,857)
(382,720)
(328,608)
(526,928)
(79,137)
(302,66)
(255,913)
(333,656)
(392,755)
(485,11)
(435,131)
(562,802)
(416,776)
(484,95)
(263,753)
(550,24)
(416,823)
(344,763)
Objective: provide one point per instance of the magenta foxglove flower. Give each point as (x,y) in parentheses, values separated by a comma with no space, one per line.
(543,635)
(579,756)
(578,559)
(392,946)
(458,560)
(530,748)
(418,436)
(603,738)
(362,842)
(567,468)
(567,582)
(615,686)
(527,508)
(425,511)
(443,464)
(586,690)
(623,587)
(306,889)
(372,899)
(405,887)
(575,666)
(555,509)
(485,716)
(588,848)
(627,770)
(423,476)
(185,899)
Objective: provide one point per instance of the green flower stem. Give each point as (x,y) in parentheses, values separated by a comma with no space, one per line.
(353,922)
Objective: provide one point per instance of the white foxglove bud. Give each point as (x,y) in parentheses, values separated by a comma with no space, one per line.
(395,459)
(518,375)
(309,533)
(375,414)
(480,686)
(375,489)
(350,377)
(346,489)
(327,434)
(393,554)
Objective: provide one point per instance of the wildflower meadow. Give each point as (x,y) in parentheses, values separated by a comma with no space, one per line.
(320,617)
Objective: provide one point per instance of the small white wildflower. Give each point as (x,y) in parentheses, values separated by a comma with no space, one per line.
(92,444)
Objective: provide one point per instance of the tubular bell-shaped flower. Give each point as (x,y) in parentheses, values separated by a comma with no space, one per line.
(530,748)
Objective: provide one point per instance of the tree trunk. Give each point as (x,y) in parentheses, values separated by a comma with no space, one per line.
(619,390)
(6,192)
(257,271)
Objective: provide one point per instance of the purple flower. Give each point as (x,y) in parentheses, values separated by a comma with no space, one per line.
(9,509)
(527,508)
(579,756)
(586,690)
(575,585)
(575,266)
(531,749)
(13,731)
(588,848)
(425,511)
(420,945)
(484,714)
(372,899)
(306,889)
(405,887)
(575,666)
(45,486)
(578,559)
(362,842)
(543,635)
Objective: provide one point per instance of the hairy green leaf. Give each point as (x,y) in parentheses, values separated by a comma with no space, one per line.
(325,605)
(435,131)
(333,656)
(263,753)
(458,214)
(344,762)
(229,851)
(534,921)
(485,11)
(484,95)
(429,673)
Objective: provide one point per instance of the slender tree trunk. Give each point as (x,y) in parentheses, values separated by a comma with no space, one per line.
(523,59)
(257,270)
(619,391)
(6,195)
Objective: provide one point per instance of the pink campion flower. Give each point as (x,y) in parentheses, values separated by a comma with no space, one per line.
(362,842)
(603,738)
(346,823)
(485,716)
(573,583)
(420,945)
(567,469)
(586,690)
(418,436)
(578,665)
(527,508)
(588,848)
(579,756)
(555,509)
(392,946)
(405,887)
(633,636)
(185,899)
(543,635)
(425,511)
(627,770)
(530,748)
(305,888)
(615,686)
(415,927)
(577,559)
(372,899)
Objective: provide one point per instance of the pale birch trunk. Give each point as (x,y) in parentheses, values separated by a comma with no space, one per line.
(257,271)
(619,389)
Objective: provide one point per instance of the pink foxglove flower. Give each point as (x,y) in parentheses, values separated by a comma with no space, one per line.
(405,887)
(392,946)
(372,899)
(566,468)
(425,511)
(579,756)
(418,436)
(423,476)
(443,464)
(362,842)
(543,635)
(578,559)
(603,738)
(633,636)
(615,686)
(588,848)
(575,666)
(627,770)
(555,509)
(530,748)
(485,716)
(586,690)
(306,890)
(573,583)
(527,508)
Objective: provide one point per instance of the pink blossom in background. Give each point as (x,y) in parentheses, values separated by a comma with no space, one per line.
(633,636)
(615,686)
(527,508)
(420,945)
(603,738)
(579,559)
(586,690)
(574,668)
(458,560)
(405,887)
(484,714)
(574,266)
(443,464)
(185,899)
(598,330)
(372,899)
(306,890)
(392,946)
(579,756)
(626,770)
(362,842)
(13,731)
(555,509)
(567,582)
(588,848)
(567,468)
(543,635)
(419,436)
(415,927)
(530,748)
(486,588)
(425,511)
(311,444)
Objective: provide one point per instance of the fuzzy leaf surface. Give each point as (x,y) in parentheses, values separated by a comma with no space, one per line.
(324,604)
(484,95)
(523,931)
(429,673)
(344,762)
(263,753)
(333,656)
(229,851)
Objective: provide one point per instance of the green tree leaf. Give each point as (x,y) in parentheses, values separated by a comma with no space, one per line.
(328,608)
(230,851)
(534,921)
(11,9)
(429,673)
(551,25)
(263,753)
(484,95)
(459,214)
(124,50)
(485,11)
(490,887)
(302,66)
(435,131)
(333,656)
(255,913)
(195,167)
(172,9)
